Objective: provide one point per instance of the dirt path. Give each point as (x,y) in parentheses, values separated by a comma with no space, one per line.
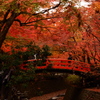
(50,95)
(94,89)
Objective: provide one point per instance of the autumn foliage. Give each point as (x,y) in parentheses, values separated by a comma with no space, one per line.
(67,29)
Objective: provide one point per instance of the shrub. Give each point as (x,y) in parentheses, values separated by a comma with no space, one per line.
(73,80)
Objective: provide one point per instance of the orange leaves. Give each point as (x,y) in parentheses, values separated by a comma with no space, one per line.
(96,6)
(6,47)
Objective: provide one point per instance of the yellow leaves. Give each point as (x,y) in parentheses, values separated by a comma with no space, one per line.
(78,36)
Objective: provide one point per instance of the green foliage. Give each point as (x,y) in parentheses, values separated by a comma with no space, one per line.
(17,56)
(73,80)
(43,55)
(45,52)
(5,61)
(18,5)
(22,77)
(39,93)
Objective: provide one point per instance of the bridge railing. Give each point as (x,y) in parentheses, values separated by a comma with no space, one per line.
(67,64)
(63,64)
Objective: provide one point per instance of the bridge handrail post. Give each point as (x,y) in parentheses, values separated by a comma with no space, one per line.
(47,63)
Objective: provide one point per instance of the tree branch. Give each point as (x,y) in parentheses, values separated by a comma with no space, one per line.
(18,21)
(50,8)
(43,11)
(35,14)
(29,23)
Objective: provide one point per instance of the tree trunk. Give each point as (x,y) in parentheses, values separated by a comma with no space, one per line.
(6,26)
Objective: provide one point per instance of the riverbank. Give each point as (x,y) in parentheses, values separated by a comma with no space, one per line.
(90,94)
(49,87)
(87,94)
(44,86)
(75,93)
(50,95)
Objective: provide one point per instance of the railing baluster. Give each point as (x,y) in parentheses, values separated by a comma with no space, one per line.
(63,64)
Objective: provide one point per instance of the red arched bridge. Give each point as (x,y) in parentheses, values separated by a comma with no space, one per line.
(61,64)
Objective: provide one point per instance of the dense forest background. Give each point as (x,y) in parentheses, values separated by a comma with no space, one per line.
(67,27)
